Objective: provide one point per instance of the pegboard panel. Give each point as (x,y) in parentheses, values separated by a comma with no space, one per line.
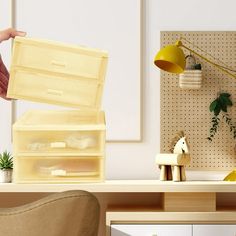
(188,110)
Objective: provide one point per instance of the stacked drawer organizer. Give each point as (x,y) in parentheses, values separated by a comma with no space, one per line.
(58,146)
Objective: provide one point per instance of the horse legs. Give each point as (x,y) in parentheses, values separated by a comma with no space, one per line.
(182,173)
(169,173)
(163,173)
(176,174)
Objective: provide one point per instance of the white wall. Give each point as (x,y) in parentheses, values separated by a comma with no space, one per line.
(136,160)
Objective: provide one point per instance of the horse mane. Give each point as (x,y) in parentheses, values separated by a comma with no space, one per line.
(175,139)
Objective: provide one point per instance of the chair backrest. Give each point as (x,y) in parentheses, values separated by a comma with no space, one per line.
(71,213)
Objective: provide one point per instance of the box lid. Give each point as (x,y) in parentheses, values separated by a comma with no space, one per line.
(61,120)
(57,73)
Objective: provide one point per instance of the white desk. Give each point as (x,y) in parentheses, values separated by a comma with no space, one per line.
(138,201)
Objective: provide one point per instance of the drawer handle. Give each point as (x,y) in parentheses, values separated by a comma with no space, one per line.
(64,173)
(58,63)
(58,145)
(54,92)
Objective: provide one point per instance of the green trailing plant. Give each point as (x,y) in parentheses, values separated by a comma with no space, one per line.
(229,122)
(6,160)
(220,105)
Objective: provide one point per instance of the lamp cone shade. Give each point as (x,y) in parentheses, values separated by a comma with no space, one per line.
(171,59)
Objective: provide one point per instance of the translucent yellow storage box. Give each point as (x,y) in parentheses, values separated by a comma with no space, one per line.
(57,73)
(59,146)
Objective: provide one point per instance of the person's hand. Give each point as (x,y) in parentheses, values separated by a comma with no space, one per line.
(4,74)
(10,33)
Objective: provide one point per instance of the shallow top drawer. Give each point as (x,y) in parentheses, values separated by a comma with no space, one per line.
(53,63)
(59,58)
(61,120)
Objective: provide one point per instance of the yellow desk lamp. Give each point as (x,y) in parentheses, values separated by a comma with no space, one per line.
(171,58)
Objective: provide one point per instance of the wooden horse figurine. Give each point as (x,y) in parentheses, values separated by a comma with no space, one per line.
(175,161)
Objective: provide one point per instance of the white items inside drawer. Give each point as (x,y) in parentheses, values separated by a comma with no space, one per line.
(59,142)
(58,168)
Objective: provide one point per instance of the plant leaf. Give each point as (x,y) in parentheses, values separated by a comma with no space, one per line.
(6,160)
(226,100)
(213,106)
(224,107)
(225,94)
(217,109)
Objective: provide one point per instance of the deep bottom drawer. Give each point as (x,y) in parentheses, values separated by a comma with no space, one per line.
(58,169)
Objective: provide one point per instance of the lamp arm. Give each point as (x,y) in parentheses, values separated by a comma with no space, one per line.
(209,61)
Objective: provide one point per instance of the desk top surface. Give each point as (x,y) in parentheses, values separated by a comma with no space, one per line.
(126,186)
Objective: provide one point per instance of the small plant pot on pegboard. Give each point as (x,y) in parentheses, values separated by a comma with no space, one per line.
(190,79)
(192,76)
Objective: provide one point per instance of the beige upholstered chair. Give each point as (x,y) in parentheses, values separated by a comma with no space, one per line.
(72,213)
